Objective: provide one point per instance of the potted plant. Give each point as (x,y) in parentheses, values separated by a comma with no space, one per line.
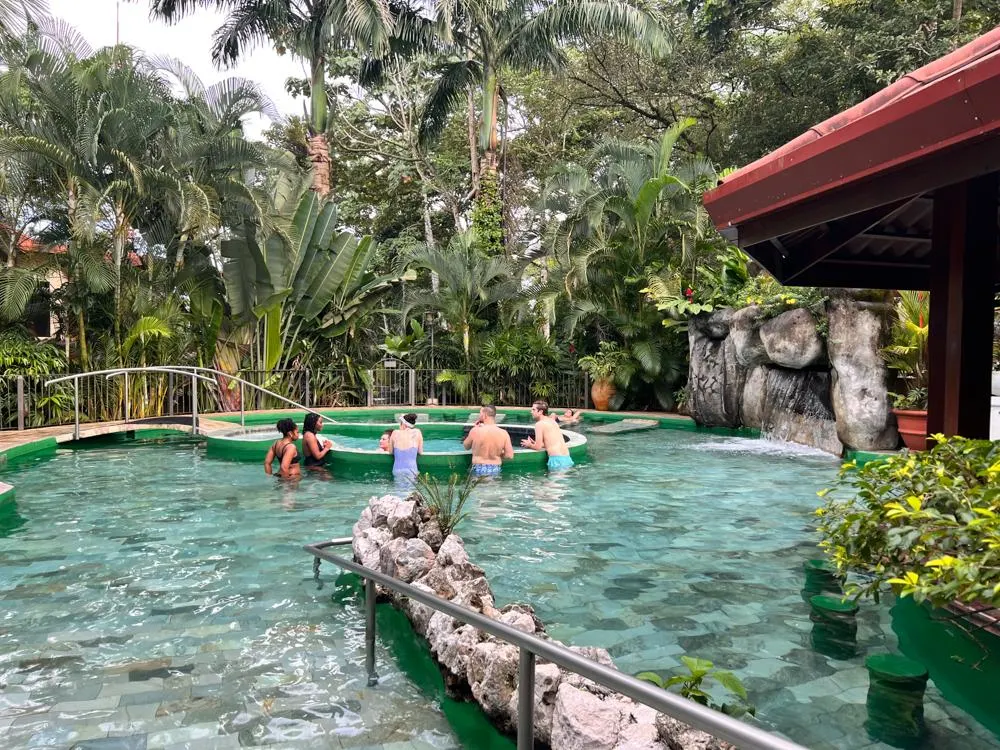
(925,524)
(604,367)
(907,355)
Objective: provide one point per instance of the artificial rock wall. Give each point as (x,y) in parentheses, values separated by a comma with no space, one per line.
(782,377)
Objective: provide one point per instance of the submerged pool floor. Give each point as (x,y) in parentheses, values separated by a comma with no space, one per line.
(147,591)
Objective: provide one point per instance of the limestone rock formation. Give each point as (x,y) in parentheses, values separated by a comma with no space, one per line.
(791,340)
(571,713)
(779,376)
(860,398)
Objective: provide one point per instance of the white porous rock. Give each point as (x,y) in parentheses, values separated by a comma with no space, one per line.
(381,507)
(430,532)
(492,675)
(364,522)
(368,546)
(583,721)
(420,614)
(454,648)
(547,679)
(403,518)
(601,656)
(406,559)
(520,617)
(676,735)
(437,580)
(638,729)
(452,551)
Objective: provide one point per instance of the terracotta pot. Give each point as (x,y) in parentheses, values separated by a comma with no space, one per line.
(601,392)
(912,428)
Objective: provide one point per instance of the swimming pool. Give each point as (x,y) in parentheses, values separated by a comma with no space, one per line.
(167,595)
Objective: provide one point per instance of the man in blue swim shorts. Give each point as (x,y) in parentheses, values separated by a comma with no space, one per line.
(490,444)
(548,438)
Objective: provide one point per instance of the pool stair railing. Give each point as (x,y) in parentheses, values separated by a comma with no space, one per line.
(195,373)
(716,723)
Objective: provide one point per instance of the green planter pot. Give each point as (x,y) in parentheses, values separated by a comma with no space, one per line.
(821,577)
(835,626)
(896,700)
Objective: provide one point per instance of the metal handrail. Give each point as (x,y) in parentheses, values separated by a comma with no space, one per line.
(718,724)
(191,370)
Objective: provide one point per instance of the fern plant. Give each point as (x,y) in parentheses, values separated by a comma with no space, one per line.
(692,685)
(446,502)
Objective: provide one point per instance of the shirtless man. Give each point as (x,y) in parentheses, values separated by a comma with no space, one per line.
(490,445)
(548,438)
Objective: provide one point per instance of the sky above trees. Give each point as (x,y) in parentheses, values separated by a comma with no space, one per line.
(190,40)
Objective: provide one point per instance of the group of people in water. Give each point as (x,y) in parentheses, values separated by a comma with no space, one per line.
(490,444)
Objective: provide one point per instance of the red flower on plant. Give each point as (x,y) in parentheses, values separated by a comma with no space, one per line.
(689,293)
(572,349)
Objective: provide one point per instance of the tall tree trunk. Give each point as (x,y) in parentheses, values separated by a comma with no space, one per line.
(956,10)
(319,150)
(488,132)
(319,155)
(473,143)
(118,257)
(429,236)
(82,326)
(179,258)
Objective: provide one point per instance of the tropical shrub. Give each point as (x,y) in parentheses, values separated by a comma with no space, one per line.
(446,503)
(925,523)
(907,354)
(692,685)
(20,355)
(610,362)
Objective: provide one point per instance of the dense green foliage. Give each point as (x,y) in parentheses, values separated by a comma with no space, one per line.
(490,190)
(926,523)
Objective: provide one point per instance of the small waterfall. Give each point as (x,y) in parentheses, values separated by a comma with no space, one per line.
(796,408)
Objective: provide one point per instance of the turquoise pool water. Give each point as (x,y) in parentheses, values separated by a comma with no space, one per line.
(150,591)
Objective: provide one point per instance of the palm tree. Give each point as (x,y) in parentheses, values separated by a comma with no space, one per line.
(637,214)
(489,40)
(15,13)
(310,29)
(470,283)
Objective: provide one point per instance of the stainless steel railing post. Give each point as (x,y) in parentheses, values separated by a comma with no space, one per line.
(370,632)
(20,402)
(194,405)
(127,404)
(413,387)
(525,700)
(242,407)
(170,394)
(76,408)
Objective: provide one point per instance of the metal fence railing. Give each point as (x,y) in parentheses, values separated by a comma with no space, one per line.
(531,647)
(26,401)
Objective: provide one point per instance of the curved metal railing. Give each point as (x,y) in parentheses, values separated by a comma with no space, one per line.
(186,370)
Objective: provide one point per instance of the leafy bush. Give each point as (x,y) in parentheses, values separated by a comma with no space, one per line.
(907,354)
(446,503)
(20,355)
(692,685)
(610,362)
(926,523)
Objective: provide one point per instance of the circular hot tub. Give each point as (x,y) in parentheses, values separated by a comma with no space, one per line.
(356,445)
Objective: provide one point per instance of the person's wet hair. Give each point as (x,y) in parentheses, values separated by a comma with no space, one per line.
(490,411)
(388,433)
(410,419)
(543,407)
(286,426)
(309,423)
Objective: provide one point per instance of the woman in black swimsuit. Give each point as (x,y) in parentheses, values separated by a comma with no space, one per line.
(313,447)
(285,451)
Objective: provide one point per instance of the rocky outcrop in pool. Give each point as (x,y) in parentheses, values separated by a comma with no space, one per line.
(400,538)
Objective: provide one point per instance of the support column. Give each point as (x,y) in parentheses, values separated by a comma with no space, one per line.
(963,269)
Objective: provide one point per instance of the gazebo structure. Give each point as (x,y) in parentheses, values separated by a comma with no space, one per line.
(897,192)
